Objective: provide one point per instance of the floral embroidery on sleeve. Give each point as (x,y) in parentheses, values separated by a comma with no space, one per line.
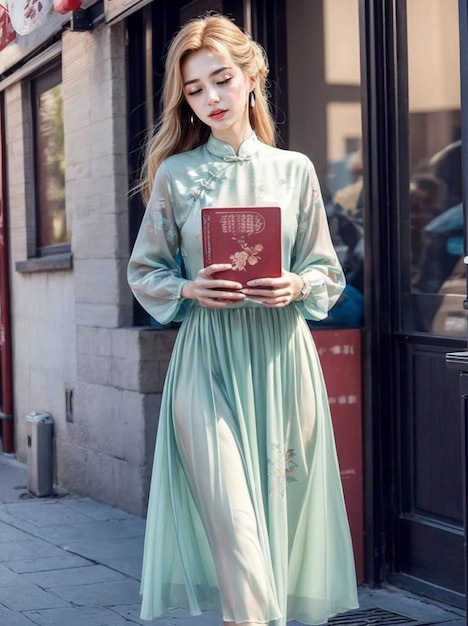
(305,212)
(159,223)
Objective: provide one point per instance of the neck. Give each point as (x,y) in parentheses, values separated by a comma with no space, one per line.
(234,137)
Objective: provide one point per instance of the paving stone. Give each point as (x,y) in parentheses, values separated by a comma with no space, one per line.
(7,577)
(6,517)
(91,616)
(42,513)
(96,510)
(27,597)
(75,576)
(8,534)
(177,617)
(104,594)
(132,612)
(10,618)
(103,531)
(130,566)
(13,479)
(103,551)
(23,525)
(64,561)
(29,549)
(13,493)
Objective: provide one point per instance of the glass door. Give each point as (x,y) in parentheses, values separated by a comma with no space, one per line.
(430,288)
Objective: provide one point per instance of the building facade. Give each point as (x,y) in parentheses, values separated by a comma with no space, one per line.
(374,93)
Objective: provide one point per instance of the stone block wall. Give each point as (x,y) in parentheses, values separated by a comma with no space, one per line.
(107,450)
(42,304)
(109,447)
(73,328)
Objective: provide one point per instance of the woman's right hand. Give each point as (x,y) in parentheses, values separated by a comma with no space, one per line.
(213,292)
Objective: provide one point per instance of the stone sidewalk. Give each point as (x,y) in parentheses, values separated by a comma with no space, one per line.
(71,561)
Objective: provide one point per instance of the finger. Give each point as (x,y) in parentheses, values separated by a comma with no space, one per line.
(268,293)
(269,283)
(261,283)
(208,280)
(218,285)
(217,303)
(216,267)
(215,294)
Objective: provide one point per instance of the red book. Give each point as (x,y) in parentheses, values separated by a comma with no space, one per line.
(249,238)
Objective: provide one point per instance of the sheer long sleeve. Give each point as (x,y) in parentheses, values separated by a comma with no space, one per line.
(314,257)
(154,274)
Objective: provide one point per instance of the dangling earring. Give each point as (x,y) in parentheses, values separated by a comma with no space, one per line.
(252,99)
(191,119)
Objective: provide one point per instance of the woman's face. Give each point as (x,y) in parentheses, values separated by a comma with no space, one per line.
(217,91)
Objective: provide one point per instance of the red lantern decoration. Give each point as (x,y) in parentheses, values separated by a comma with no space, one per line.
(65,6)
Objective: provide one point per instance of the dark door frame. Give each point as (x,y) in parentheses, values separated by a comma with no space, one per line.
(378,77)
(463,13)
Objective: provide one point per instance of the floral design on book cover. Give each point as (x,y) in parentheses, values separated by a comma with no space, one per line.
(248,255)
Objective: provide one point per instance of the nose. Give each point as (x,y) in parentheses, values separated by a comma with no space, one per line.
(213,96)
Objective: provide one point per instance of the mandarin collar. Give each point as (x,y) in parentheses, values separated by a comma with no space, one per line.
(224,151)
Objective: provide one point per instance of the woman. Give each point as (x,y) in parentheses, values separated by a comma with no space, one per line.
(246,513)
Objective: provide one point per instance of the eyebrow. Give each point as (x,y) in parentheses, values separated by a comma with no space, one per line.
(196,80)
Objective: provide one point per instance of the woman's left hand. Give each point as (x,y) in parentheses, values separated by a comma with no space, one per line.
(275,292)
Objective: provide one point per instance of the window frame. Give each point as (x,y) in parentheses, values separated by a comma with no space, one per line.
(40,83)
(40,257)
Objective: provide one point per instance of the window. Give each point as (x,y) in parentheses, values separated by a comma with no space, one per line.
(52,231)
(324,122)
(434,275)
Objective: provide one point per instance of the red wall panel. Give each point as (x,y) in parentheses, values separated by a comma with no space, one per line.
(340,356)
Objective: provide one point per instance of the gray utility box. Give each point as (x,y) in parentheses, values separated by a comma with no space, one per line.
(40,431)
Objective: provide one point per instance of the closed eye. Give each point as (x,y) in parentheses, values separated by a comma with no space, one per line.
(195,92)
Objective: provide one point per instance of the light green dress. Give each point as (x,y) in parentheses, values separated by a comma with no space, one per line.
(246,513)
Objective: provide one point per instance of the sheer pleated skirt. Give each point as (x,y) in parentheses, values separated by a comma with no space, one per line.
(246,513)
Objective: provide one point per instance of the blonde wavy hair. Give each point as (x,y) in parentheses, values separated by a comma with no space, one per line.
(175,131)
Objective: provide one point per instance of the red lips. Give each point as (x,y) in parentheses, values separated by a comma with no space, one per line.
(217,112)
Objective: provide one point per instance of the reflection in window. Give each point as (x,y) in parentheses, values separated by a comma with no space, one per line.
(50,163)
(437,274)
(324,122)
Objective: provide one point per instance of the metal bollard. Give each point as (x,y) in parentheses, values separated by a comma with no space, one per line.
(39,430)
